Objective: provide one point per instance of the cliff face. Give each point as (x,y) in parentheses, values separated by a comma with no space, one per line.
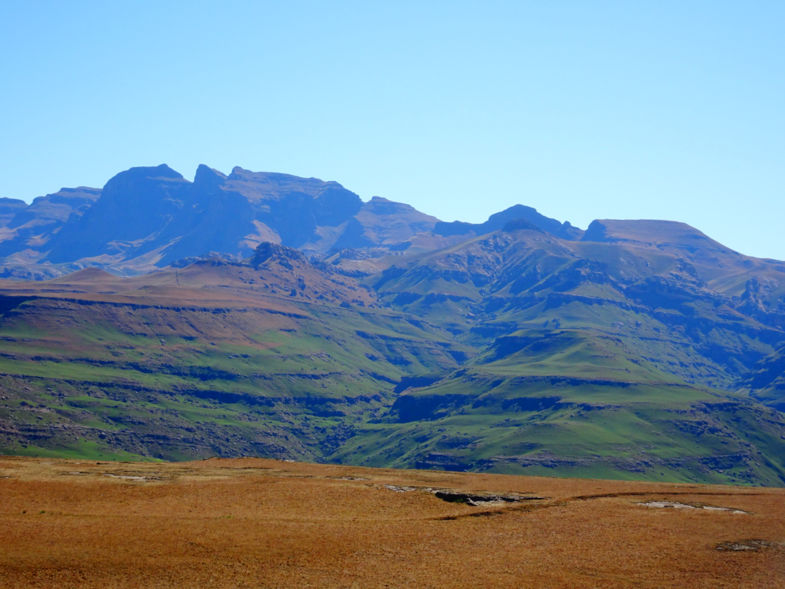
(146,218)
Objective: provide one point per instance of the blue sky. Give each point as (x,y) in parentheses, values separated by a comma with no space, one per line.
(582,109)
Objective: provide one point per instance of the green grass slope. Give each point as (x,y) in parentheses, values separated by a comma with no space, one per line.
(569,404)
(182,377)
(705,316)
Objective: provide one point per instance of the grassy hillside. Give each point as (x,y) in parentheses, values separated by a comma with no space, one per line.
(705,318)
(572,404)
(515,351)
(558,427)
(157,377)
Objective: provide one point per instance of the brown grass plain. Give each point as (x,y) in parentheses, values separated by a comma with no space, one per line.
(265,523)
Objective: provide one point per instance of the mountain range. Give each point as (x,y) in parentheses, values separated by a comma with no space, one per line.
(266,314)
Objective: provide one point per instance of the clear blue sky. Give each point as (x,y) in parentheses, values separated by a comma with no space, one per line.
(582,109)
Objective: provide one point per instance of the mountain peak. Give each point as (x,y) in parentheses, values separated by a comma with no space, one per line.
(521,214)
(139,181)
(16,203)
(647,231)
(160,171)
(385,206)
(280,253)
(207,176)
(138,177)
(239,172)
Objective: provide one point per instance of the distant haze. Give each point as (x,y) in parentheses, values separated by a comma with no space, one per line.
(610,110)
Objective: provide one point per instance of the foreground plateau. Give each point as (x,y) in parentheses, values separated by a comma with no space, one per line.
(253,522)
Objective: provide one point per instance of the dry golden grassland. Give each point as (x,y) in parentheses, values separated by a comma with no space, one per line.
(263,523)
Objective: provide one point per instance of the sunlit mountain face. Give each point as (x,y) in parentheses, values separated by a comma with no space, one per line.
(270,315)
